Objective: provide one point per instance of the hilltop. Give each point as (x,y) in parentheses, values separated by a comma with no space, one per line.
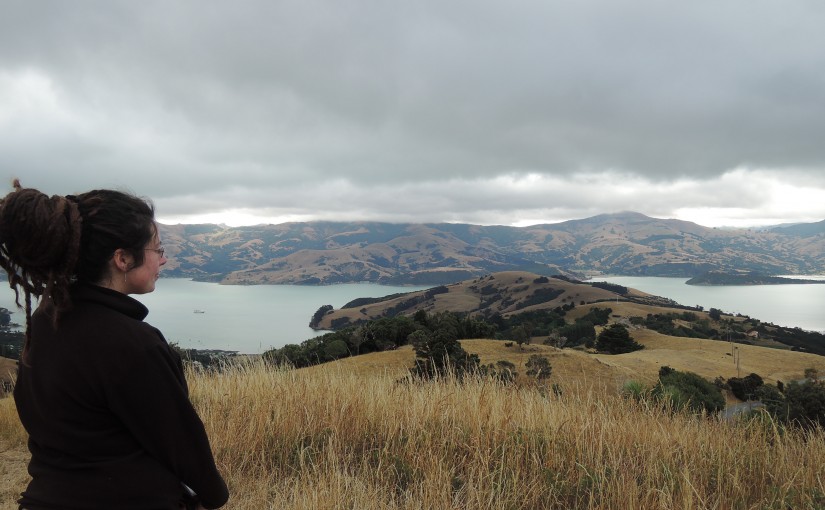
(553,313)
(513,292)
(317,253)
(502,293)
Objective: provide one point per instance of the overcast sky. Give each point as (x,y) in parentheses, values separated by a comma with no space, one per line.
(475,111)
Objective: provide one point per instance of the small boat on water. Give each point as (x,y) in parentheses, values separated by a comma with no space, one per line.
(200,311)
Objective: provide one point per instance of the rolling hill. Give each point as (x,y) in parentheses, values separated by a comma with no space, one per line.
(707,358)
(628,243)
(512,293)
(502,293)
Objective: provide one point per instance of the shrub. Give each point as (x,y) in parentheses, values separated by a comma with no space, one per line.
(689,390)
(539,367)
(805,404)
(744,388)
(615,339)
(635,390)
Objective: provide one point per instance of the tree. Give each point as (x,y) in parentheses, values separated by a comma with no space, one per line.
(801,405)
(615,339)
(521,335)
(503,370)
(538,367)
(715,314)
(773,399)
(439,353)
(319,314)
(336,349)
(806,403)
(744,388)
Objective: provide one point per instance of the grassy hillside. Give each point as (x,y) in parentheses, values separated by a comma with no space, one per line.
(510,293)
(505,293)
(625,243)
(350,435)
(708,358)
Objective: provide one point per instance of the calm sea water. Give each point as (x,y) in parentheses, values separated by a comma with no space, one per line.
(247,319)
(252,319)
(793,305)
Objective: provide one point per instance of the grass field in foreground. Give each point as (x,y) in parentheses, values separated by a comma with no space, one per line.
(349,435)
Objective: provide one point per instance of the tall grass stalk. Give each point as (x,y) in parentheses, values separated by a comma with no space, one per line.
(322,438)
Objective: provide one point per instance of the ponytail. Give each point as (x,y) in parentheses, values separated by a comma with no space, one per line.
(46,243)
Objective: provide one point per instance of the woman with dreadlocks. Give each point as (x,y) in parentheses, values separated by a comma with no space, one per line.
(100,392)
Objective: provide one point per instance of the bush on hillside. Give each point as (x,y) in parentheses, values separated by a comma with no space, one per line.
(438,351)
(806,403)
(686,390)
(577,333)
(503,370)
(597,316)
(612,287)
(615,339)
(801,405)
(539,367)
(744,388)
(634,390)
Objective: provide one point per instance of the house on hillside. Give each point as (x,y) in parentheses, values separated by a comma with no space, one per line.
(752,334)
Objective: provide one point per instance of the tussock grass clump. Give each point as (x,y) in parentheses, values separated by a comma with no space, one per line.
(325,438)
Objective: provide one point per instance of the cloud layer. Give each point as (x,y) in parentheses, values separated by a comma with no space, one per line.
(483,112)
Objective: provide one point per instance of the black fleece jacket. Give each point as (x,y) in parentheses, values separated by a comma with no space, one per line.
(106,406)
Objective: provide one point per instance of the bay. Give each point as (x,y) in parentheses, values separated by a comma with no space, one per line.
(248,319)
(791,305)
(252,319)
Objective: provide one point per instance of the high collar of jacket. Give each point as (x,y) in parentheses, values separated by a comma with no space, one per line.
(84,292)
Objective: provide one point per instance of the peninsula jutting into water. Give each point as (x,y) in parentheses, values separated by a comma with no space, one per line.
(745,278)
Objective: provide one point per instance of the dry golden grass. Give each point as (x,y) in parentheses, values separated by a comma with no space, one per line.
(350,435)
(8,371)
(13,455)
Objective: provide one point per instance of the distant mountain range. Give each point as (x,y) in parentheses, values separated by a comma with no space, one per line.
(629,243)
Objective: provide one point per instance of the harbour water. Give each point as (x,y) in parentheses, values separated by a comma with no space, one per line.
(793,305)
(247,319)
(252,319)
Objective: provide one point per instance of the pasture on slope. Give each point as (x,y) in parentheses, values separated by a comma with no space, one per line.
(707,358)
(349,435)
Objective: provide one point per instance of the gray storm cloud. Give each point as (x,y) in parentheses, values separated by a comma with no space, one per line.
(417,110)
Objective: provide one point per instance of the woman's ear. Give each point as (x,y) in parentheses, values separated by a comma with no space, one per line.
(123,260)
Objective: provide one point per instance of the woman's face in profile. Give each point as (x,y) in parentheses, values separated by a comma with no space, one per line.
(141,279)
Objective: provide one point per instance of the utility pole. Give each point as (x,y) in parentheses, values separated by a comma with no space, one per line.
(736,359)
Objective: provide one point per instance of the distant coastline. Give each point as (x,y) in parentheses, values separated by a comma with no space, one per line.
(745,278)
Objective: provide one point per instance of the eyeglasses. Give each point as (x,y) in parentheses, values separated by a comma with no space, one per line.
(159,251)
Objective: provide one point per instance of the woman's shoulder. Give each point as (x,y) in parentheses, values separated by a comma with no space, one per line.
(109,321)
(107,300)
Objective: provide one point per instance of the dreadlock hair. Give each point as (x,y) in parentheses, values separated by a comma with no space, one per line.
(46,243)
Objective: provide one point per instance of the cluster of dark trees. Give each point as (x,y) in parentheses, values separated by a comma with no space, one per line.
(798,403)
(688,324)
(389,333)
(686,390)
(666,324)
(382,334)
(11,342)
(616,339)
